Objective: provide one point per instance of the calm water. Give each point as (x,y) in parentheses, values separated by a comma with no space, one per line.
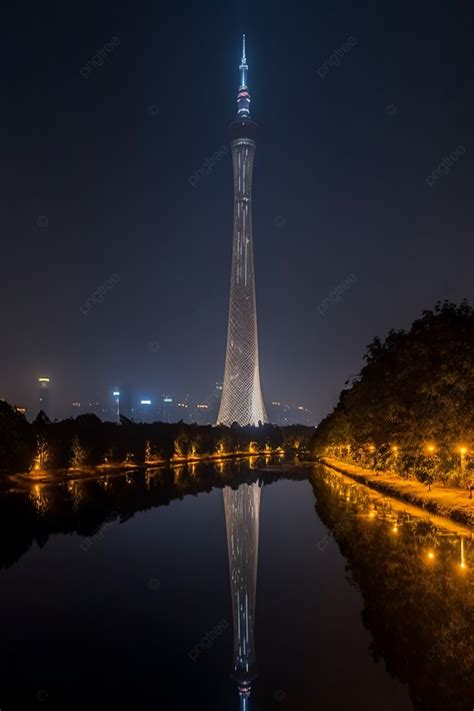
(116,593)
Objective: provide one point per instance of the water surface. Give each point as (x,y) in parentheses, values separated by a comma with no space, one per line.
(117,593)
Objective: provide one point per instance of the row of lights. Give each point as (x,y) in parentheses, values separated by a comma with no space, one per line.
(430,554)
(430,448)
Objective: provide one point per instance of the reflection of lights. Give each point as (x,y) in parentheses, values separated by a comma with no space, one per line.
(372,514)
(462,564)
(430,448)
(395,529)
(463,450)
(430,555)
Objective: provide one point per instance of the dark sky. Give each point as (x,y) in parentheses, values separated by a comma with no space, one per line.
(96,182)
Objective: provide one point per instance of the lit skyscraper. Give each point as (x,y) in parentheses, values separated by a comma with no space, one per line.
(116,395)
(242,400)
(167,407)
(44,395)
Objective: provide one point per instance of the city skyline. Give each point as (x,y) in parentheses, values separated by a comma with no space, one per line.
(103,215)
(109,403)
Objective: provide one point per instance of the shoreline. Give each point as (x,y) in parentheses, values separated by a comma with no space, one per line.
(117,468)
(445,502)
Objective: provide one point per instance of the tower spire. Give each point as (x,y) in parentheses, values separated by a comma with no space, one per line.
(243,97)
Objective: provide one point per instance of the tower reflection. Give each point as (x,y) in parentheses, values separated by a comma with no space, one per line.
(242,515)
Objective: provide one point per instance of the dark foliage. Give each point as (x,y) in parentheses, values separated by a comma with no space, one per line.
(411,409)
(87,441)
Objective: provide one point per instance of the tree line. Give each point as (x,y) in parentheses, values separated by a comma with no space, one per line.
(86,441)
(411,408)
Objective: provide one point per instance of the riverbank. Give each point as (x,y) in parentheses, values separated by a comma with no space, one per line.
(441,500)
(119,468)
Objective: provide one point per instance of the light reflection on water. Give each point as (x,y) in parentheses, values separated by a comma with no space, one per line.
(414,579)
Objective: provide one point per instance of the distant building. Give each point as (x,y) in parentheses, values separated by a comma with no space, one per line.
(182,411)
(126,402)
(144,411)
(280,414)
(43,383)
(168,410)
(116,396)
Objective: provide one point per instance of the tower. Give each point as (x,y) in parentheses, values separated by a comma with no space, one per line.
(242,516)
(242,400)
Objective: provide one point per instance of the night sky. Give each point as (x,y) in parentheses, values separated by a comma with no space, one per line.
(96,167)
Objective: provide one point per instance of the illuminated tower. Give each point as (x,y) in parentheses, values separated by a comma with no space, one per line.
(242,514)
(242,400)
(44,395)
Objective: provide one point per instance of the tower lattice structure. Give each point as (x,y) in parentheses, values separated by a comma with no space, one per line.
(242,400)
(242,515)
